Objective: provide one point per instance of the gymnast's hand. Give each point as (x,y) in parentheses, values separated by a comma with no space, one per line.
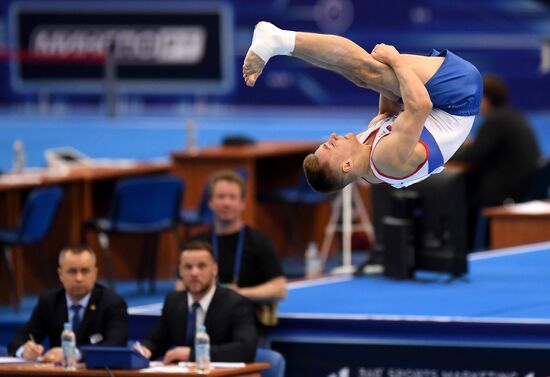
(386,54)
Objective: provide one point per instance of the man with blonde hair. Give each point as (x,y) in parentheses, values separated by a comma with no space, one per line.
(248,261)
(426,110)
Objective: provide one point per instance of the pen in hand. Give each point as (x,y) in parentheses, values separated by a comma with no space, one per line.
(32,350)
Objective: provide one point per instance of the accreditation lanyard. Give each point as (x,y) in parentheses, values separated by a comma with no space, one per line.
(238,254)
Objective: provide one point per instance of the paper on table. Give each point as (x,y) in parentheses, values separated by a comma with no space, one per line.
(184,366)
(17,179)
(216,365)
(227,365)
(12,360)
(111,162)
(531,208)
(159,367)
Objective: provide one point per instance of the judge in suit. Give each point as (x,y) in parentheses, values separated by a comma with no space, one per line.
(97,314)
(228,317)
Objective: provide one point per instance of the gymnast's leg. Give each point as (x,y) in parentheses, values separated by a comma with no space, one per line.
(331,52)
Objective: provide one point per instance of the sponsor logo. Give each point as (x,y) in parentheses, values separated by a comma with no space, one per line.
(132,44)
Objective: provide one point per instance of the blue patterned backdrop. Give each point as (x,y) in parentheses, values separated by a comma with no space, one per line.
(498,36)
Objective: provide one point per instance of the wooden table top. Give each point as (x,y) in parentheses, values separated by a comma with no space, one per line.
(31,369)
(257,150)
(536,208)
(37,177)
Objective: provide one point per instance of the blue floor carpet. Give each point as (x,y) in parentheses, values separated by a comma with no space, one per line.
(511,284)
(502,285)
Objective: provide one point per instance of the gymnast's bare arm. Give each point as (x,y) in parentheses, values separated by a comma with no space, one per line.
(399,153)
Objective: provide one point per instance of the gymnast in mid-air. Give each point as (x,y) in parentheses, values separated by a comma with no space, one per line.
(426,110)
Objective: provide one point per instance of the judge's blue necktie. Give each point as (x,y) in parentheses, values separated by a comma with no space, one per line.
(76,317)
(191,324)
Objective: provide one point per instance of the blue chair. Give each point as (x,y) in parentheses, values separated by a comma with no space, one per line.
(36,220)
(277,361)
(202,215)
(3,351)
(292,197)
(143,205)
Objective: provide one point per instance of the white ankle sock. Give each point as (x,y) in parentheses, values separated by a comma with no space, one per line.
(270,41)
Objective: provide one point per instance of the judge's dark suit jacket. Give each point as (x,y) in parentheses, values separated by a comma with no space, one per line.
(105,320)
(504,157)
(229,322)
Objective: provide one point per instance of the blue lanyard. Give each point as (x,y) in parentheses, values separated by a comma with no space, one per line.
(238,254)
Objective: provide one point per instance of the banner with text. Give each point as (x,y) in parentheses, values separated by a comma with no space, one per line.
(158,48)
(370,360)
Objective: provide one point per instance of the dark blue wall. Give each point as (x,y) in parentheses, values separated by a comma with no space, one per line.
(498,36)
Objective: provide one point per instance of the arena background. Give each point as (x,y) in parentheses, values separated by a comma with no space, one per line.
(49,102)
(509,38)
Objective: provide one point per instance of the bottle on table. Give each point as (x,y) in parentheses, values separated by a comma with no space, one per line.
(312,261)
(18,156)
(68,344)
(202,350)
(191,136)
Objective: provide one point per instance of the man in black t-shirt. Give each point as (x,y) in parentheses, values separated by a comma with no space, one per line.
(248,262)
(261,276)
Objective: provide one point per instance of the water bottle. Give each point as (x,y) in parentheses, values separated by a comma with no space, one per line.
(68,344)
(313,261)
(18,156)
(202,350)
(191,136)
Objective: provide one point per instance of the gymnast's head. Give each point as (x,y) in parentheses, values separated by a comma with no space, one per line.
(332,166)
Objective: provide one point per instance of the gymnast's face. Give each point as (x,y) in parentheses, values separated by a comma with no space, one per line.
(337,151)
